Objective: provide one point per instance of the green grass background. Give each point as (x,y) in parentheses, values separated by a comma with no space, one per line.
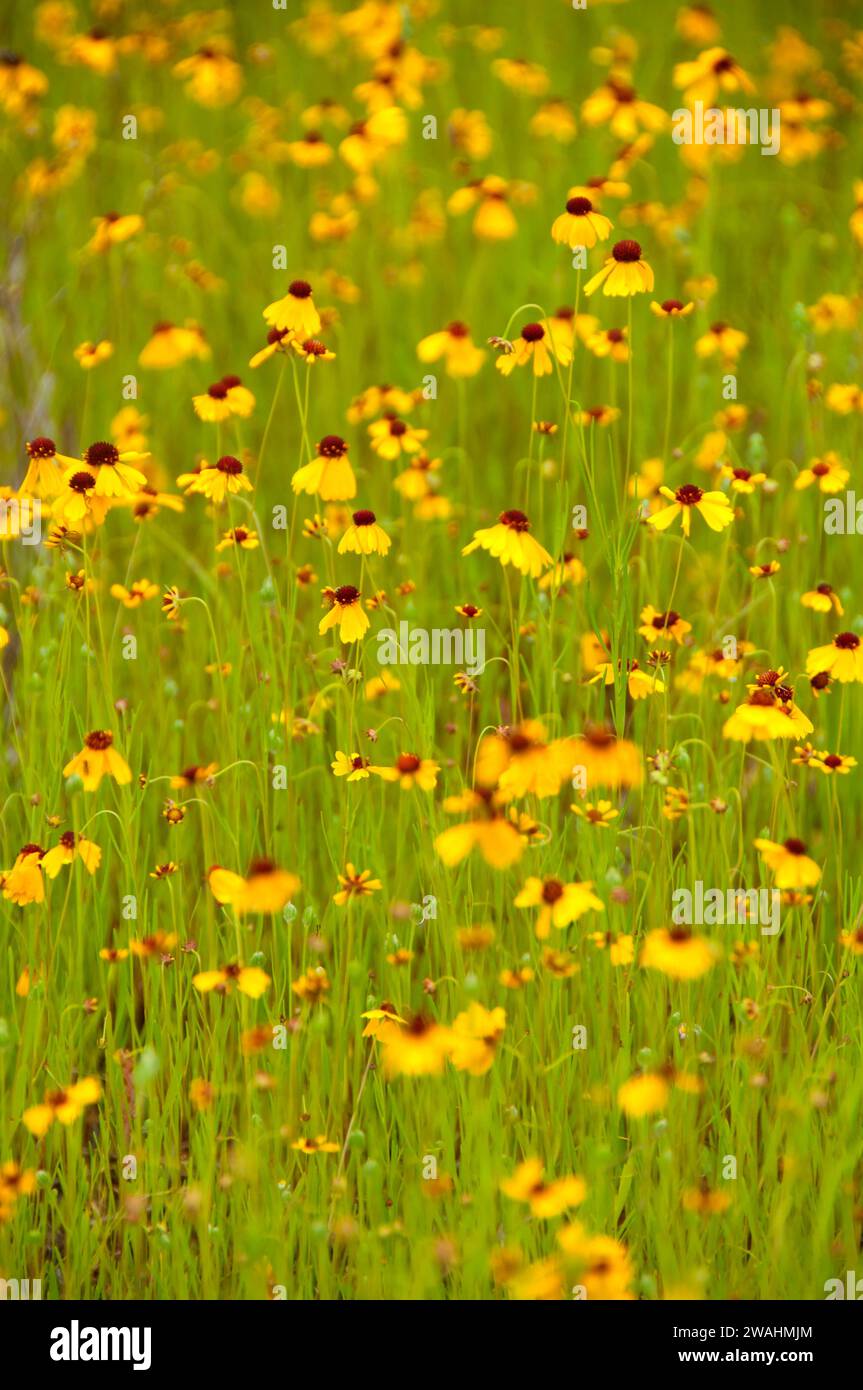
(776,237)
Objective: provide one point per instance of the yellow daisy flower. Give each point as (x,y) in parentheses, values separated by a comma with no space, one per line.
(580,224)
(510,542)
(714,507)
(842,659)
(676,952)
(624,272)
(364,536)
(329,475)
(97,759)
(295,311)
(346,613)
(789,863)
(559,904)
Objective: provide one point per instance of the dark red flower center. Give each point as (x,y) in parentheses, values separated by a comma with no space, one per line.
(552,890)
(98,740)
(515,520)
(689,495)
(332,447)
(579,207)
(300,289)
(599,737)
(228,464)
(627,251)
(102,455)
(41,448)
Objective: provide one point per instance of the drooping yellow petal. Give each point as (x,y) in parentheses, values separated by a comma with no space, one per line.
(208,979)
(226,887)
(253,982)
(38,1119)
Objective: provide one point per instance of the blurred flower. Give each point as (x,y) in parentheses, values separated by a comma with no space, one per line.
(65,1105)
(264,890)
(249,980)
(560,904)
(545,1199)
(676,952)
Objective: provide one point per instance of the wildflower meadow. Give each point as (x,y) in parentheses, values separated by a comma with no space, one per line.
(431,606)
